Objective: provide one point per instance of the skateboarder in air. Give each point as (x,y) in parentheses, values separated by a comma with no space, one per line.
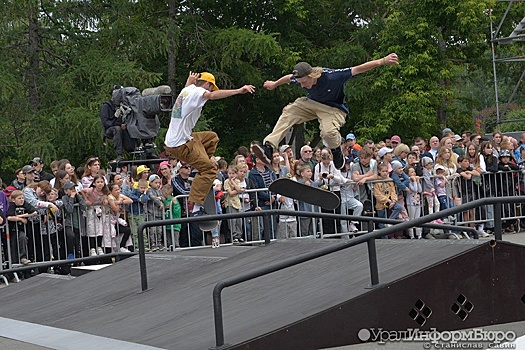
(196,148)
(325,100)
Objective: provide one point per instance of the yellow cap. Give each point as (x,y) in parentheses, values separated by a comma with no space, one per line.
(141,169)
(209,78)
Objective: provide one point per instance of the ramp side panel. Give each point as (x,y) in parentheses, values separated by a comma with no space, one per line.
(484,286)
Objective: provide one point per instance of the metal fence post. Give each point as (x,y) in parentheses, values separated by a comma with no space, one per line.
(142,258)
(372,257)
(497,221)
(266,228)
(217,308)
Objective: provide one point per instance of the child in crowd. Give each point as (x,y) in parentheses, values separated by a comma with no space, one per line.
(17,214)
(172,210)
(232,202)
(402,183)
(116,201)
(74,219)
(385,194)
(98,219)
(304,175)
(137,210)
(428,188)
(53,223)
(247,199)
(287,226)
(155,211)
(440,183)
(222,165)
(466,188)
(413,202)
(35,194)
(401,180)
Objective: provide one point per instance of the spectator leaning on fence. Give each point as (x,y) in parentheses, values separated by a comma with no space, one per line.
(116,202)
(18,214)
(172,210)
(385,194)
(413,203)
(428,188)
(364,171)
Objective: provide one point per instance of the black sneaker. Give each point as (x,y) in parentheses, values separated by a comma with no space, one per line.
(264,153)
(268,151)
(339,160)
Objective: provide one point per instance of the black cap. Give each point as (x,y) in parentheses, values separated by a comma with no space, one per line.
(68,185)
(301,69)
(27,169)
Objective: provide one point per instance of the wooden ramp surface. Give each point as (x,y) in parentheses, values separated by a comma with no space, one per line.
(177,311)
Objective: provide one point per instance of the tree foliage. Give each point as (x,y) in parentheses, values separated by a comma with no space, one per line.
(59,60)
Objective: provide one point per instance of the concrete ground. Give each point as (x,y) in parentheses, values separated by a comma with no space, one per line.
(11,344)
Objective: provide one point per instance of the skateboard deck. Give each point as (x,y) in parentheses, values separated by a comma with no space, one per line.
(211,208)
(304,193)
(259,153)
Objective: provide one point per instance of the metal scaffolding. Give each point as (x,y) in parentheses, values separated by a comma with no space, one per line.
(517,35)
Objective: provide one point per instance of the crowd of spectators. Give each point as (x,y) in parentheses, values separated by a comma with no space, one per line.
(74,212)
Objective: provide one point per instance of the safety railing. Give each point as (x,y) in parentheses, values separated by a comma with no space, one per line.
(456,191)
(247,229)
(369,238)
(57,239)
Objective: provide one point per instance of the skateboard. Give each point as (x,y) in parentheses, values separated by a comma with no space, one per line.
(311,195)
(210,207)
(259,153)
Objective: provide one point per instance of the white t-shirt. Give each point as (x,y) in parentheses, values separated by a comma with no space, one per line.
(186,112)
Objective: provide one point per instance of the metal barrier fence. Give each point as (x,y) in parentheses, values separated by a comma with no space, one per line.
(79,232)
(457,190)
(72,232)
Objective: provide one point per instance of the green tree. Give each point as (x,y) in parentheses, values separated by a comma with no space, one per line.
(434,40)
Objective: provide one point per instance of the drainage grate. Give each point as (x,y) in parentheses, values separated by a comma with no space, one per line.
(420,312)
(462,307)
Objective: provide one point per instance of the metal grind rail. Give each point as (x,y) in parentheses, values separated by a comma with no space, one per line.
(368,237)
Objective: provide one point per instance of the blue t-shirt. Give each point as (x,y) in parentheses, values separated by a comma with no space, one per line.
(330,88)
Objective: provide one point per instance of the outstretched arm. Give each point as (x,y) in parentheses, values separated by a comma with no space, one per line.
(218,94)
(270,85)
(389,60)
